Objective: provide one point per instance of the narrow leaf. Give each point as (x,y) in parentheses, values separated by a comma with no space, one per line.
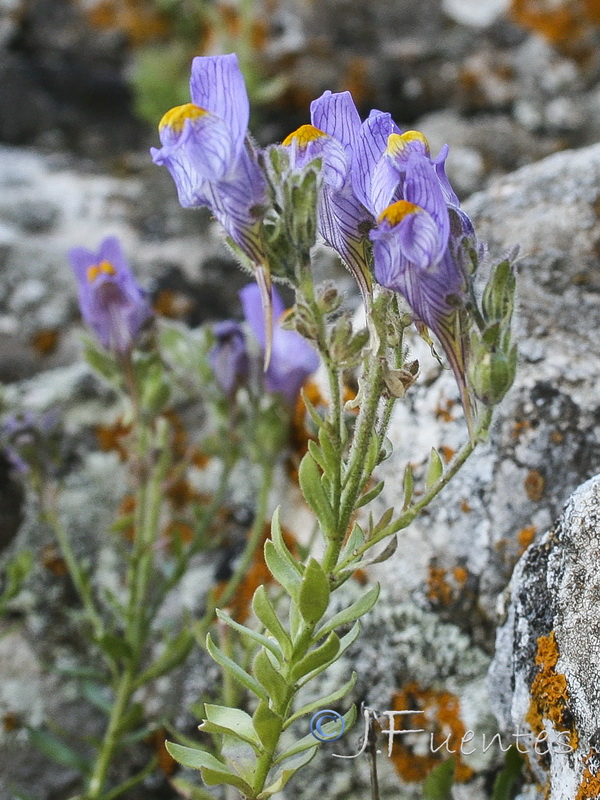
(355,611)
(308,741)
(506,779)
(345,642)
(323,654)
(370,495)
(174,653)
(268,725)
(438,784)
(309,478)
(322,702)
(409,485)
(213,771)
(281,570)
(56,750)
(435,470)
(235,670)
(314,592)
(285,773)
(251,635)
(270,678)
(261,605)
(231,720)
(278,541)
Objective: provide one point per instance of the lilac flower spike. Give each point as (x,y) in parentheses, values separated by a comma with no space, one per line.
(412,250)
(292,358)
(206,149)
(111,301)
(343,220)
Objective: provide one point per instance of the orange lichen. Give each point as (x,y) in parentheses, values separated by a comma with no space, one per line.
(11,721)
(178,533)
(156,740)
(525,537)
(438,589)
(548,692)
(465,507)
(589,788)
(535,485)
(137,19)
(461,574)
(520,426)
(356,80)
(113,438)
(447,453)
(53,561)
(567,24)
(556,437)
(171,304)
(441,721)
(443,409)
(45,342)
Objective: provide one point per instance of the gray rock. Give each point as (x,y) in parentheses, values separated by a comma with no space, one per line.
(545,677)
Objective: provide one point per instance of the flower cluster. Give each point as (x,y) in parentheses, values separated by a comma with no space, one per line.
(385,203)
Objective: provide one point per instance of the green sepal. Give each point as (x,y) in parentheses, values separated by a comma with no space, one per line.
(322,702)
(355,611)
(309,478)
(212,770)
(435,469)
(370,495)
(308,741)
(409,486)
(175,652)
(268,676)
(265,613)
(267,724)
(325,653)
(240,675)
(285,773)
(314,593)
(281,569)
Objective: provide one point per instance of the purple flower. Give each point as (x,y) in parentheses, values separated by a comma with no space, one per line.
(412,247)
(292,359)
(343,220)
(206,150)
(110,299)
(229,357)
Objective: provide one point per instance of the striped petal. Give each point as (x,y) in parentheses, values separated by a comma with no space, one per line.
(217,85)
(336,115)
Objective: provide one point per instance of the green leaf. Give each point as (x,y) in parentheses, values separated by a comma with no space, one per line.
(235,670)
(174,653)
(278,541)
(355,611)
(314,592)
(316,418)
(189,791)
(355,540)
(345,642)
(438,784)
(308,741)
(505,780)
(270,678)
(101,361)
(56,750)
(232,721)
(329,450)
(435,469)
(251,635)
(115,647)
(95,694)
(370,495)
(323,654)
(409,485)
(285,773)
(309,479)
(132,719)
(267,724)
(213,771)
(322,702)
(261,605)
(281,570)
